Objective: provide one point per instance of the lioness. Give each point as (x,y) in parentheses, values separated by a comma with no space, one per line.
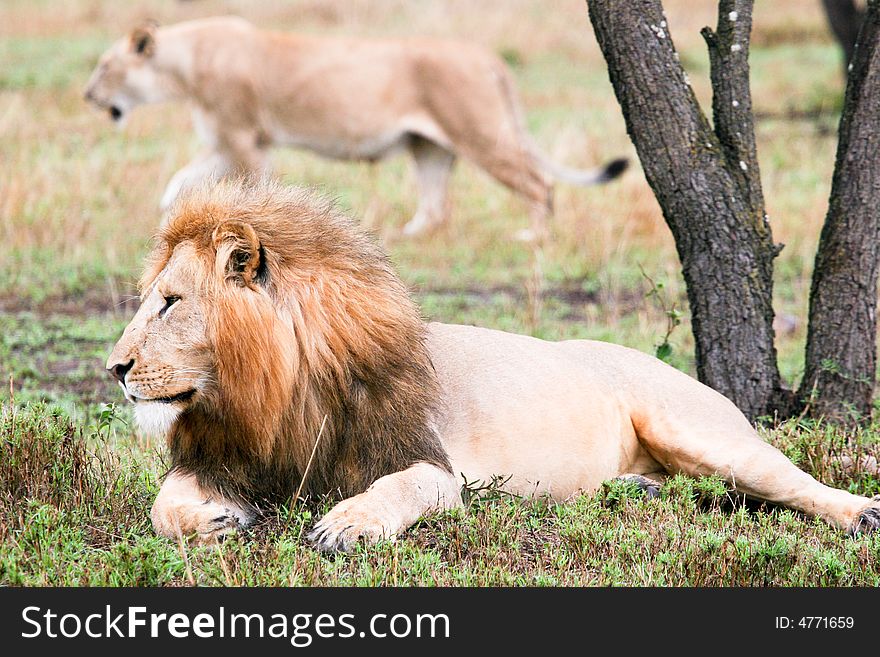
(276,348)
(342,98)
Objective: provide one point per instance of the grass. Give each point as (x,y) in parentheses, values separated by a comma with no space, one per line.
(78,205)
(76,513)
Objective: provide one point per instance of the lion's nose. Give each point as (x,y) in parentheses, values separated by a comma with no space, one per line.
(88,95)
(121,369)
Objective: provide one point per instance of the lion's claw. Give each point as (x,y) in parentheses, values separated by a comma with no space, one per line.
(217,529)
(204,524)
(345,525)
(868,520)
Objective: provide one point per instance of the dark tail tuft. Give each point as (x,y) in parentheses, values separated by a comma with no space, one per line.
(614,169)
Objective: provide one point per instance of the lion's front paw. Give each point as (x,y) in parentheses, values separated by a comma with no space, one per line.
(349,521)
(214,530)
(204,524)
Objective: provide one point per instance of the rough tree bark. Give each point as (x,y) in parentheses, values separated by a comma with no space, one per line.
(845,19)
(841,354)
(708,185)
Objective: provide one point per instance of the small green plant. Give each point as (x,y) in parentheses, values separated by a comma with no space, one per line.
(480,491)
(617,491)
(711,490)
(663,351)
(108,415)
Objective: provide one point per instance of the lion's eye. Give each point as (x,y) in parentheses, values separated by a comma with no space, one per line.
(169,301)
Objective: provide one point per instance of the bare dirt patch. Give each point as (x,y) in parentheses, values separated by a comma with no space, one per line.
(88,304)
(569,294)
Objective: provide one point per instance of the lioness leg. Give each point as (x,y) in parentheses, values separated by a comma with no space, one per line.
(716,441)
(232,151)
(489,129)
(209,165)
(183,509)
(512,165)
(388,507)
(433,168)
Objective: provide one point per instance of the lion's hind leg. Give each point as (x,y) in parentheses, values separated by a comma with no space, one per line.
(709,436)
(514,166)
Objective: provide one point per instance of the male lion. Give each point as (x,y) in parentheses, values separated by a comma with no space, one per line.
(342,98)
(274,341)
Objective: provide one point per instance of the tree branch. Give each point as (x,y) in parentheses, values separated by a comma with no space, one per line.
(732,98)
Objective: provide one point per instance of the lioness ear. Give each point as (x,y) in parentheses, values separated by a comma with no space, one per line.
(240,256)
(143,39)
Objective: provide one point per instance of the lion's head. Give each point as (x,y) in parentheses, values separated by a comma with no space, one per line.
(265,314)
(126,75)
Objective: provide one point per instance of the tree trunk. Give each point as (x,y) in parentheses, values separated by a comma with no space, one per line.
(708,186)
(845,19)
(841,355)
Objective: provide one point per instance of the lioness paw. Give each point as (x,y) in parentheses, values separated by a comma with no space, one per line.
(346,524)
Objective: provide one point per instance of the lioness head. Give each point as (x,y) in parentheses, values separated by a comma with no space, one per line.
(268,318)
(126,75)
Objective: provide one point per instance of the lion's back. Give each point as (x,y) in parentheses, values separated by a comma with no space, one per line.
(499,372)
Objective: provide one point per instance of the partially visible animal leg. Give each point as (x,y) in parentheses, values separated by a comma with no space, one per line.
(387,508)
(538,213)
(208,166)
(513,166)
(373,211)
(488,128)
(433,168)
(184,510)
(717,440)
(246,151)
(235,151)
(649,484)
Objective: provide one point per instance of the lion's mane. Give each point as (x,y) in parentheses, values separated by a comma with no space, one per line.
(328,330)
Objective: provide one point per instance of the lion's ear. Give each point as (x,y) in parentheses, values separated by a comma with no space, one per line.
(240,256)
(143,39)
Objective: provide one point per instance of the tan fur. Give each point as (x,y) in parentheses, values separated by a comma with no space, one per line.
(343,98)
(288,314)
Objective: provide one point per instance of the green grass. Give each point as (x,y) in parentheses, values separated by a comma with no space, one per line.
(78,204)
(57,358)
(39,63)
(76,513)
